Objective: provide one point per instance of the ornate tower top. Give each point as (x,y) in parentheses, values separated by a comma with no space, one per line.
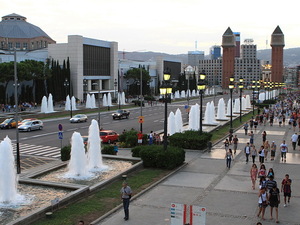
(228,38)
(277,38)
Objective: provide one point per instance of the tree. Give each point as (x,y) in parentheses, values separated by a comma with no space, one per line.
(135,74)
(6,75)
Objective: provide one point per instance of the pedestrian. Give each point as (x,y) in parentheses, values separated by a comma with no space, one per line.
(151,138)
(286,189)
(157,138)
(274,201)
(230,137)
(246,128)
(253,153)
(126,194)
(271,173)
(264,136)
(226,145)
(294,140)
(270,183)
(255,124)
(228,158)
(294,124)
(258,223)
(235,143)
(261,154)
(247,152)
(266,148)
(140,138)
(251,122)
(283,150)
(273,150)
(262,171)
(116,148)
(262,182)
(253,175)
(262,203)
(251,137)
(280,120)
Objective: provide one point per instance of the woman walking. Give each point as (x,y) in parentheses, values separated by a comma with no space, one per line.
(262,202)
(267,148)
(264,136)
(226,145)
(273,150)
(253,175)
(261,154)
(228,158)
(253,153)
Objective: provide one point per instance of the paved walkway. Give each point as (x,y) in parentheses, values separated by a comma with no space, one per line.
(226,193)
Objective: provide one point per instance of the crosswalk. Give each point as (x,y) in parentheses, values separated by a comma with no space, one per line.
(37,150)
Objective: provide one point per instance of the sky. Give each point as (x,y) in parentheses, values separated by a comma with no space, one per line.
(168,26)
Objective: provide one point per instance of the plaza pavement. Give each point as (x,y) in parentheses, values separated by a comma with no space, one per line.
(226,193)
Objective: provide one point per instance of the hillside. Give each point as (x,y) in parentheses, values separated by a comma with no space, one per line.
(291,56)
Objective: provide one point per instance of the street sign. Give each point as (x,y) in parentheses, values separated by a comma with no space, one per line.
(60,135)
(178,214)
(141,119)
(187,214)
(60,127)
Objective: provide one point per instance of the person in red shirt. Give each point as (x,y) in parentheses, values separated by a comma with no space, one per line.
(140,138)
(286,188)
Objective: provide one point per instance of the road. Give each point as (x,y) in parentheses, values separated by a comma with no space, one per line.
(46,143)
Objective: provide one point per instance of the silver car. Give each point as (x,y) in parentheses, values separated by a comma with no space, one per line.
(78,118)
(31,125)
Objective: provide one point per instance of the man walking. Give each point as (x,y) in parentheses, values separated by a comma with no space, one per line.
(283,150)
(294,140)
(235,143)
(274,201)
(286,189)
(247,152)
(125,196)
(246,126)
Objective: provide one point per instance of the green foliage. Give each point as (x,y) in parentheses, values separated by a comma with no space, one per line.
(155,156)
(149,98)
(129,138)
(136,151)
(269,101)
(190,140)
(107,149)
(65,153)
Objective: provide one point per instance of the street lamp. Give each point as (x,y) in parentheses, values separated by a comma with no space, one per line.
(127,85)
(189,71)
(141,96)
(241,86)
(166,89)
(253,89)
(67,86)
(201,88)
(231,87)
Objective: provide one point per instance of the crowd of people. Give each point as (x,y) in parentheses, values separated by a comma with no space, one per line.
(283,111)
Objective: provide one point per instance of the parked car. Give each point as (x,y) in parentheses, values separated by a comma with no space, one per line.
(9,123)
(109,136)
(120,114)
(78,118)
(31,125)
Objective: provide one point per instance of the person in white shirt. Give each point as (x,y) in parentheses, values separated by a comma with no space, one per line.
(294,140)
(247,152)
(283,150)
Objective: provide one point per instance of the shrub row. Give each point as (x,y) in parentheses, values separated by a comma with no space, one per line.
(156,157)
(190,140)
(129,139)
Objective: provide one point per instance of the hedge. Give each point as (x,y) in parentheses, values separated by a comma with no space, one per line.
(65,153)
(190,140)
(129,138)
(156,157)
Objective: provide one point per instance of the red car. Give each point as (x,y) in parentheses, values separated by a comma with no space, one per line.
(109,136)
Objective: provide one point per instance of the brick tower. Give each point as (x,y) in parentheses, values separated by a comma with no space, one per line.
(277,44)
(228,45)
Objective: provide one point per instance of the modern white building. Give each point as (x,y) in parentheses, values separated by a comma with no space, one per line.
(93,63)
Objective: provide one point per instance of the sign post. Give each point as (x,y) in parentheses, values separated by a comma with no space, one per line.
(182,214)
(60,134)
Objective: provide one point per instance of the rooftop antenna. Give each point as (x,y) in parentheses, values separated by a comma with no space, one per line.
(266,43)
(196,45)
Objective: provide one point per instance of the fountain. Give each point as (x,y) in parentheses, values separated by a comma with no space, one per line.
(228,107)
(50,104)
(94,156)
(177,94)
(8,178)
(93,101)
(171,124)
(44,106)
(123,99)
(236,106)
(88,103)
(73,102)
(182,94)
(178,121)
(109,103)
(194,116)
(244,103)
(262,96)
(221,110)
(104,100)
(68,103)
(193,93)
(77,165)
(248,102)
(209,116)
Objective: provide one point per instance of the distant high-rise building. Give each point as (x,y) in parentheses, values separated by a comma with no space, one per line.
(228,45)
(237,44)
(277,44)
(215,52)
(194,57)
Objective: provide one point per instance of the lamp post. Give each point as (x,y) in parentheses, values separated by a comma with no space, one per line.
(231,87)
(141,97)
(241,86)
(67,86)
(253,90)
(189,71)
(166,89)
(127,85)
(201,88)
(84,88)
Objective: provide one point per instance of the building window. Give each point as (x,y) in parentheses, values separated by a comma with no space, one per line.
(32,45)
(18,45)
(24,46)
(10,45)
